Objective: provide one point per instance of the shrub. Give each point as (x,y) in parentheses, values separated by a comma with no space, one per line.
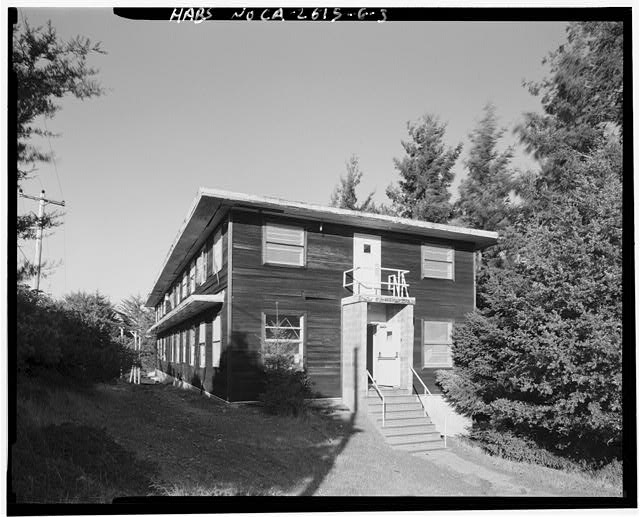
(286,387)
(506,444)
(55,336)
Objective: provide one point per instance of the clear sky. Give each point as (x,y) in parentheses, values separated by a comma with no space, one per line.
(263,108)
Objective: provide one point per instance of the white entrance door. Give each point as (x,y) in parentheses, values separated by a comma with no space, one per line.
(386,356)
(366,263)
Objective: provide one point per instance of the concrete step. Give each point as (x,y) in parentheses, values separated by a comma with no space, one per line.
(426,445)
(390,393)
(418,428)
(391,414)
(392,400)
(413,438)
(395,406)
(402,418)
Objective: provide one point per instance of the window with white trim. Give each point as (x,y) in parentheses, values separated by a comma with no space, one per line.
(284,335)
(202,333)
(176,346)
(437,262)
(184,347)
(283,245)
(216,264)
(192,346)
(199,270)
(192,277)
(216,342)
(436,343)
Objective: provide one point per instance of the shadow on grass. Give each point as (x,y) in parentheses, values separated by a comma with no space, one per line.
(74,463)
(326,467)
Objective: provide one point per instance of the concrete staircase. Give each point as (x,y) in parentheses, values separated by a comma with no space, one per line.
(406,427)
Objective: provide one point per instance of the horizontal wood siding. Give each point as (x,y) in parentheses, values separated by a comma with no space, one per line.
(436,299)
(214,380)
(315,289)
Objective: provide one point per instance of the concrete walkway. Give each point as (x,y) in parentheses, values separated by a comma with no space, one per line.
(367,466)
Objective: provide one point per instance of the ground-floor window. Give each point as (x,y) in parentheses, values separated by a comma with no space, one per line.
(183,359)
(192,346)
(436,343)
(202,345)
(215,342)
(283,334)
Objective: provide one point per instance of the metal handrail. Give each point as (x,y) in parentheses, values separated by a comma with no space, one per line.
(426,391)
(392,284)
(384,404)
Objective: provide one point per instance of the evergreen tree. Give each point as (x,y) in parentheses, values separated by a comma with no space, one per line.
(426,173)
(541,359)
(484,194)
(344,194)
(582,99)
(136,317)
(45,69)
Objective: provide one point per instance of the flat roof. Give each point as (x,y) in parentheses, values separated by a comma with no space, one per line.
(211,205)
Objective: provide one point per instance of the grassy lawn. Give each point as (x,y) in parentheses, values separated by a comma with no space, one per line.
(123,440)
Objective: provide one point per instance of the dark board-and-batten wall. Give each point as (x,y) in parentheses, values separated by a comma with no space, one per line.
(213,379)
(436,299)
(316,290)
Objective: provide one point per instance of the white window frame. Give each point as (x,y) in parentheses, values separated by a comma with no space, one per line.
(192,346)
(451,259)
(184,346)
(266,241)
(203,268)
(216,252)
(202,342)
(198,269)
(192,277)
(426,343)
(299,357)
(174,354)
(216,341)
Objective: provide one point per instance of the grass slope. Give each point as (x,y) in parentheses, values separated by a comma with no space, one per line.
(96,444)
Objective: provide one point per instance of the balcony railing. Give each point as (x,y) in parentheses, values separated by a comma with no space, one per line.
(370,281)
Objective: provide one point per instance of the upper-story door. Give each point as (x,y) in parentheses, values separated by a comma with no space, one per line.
(366,263)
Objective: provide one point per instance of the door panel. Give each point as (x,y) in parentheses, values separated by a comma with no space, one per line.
(386,356)
(367,252)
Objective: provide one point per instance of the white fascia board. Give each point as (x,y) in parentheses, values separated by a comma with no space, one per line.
(349,214)
(193,305)
(480,238)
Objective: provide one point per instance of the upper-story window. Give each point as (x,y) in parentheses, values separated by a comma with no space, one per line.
(203,264)
(437,262)
(199,269)
(183,287)
(216,263)
(192,278)
(283,245)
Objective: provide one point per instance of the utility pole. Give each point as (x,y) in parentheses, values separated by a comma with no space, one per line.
(42,201)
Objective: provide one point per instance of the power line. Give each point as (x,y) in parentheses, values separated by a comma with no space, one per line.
(53,158)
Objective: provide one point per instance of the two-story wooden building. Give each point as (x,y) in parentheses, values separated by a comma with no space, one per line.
(347,292)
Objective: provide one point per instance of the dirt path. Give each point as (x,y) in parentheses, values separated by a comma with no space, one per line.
(367,466)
